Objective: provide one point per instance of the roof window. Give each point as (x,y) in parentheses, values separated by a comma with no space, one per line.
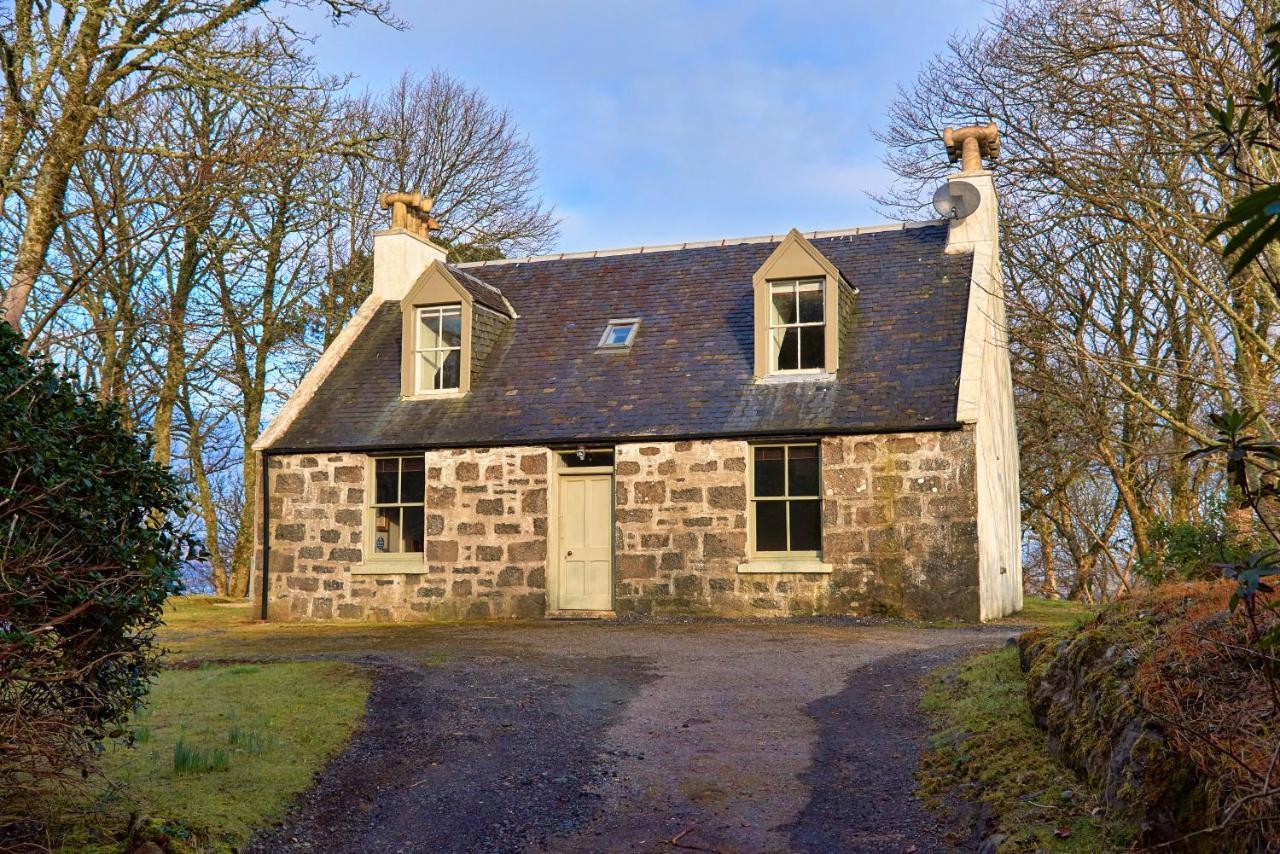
(619,333)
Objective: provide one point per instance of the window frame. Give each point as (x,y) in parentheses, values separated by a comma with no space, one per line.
(752,499)
(820,285)
(440,310)
(613,323)
(372,505)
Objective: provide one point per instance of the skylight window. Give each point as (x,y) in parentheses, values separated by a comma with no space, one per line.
(618,334)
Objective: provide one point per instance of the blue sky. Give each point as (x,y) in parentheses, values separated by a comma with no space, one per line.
(675,120)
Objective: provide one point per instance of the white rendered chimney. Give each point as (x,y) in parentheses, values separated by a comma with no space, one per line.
(403,252)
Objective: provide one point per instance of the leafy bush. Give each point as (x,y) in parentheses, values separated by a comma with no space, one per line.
(1190,551)
(89,550)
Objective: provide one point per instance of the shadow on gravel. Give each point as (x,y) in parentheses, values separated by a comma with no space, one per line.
(476,754)
(862,779)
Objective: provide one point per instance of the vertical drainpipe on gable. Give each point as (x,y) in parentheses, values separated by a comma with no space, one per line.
(265,492)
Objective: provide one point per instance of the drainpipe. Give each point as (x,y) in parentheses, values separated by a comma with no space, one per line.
(265,491)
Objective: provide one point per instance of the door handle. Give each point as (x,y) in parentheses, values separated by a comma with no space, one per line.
(569,553)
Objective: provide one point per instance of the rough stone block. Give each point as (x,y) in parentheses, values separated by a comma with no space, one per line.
(442,551)
(727,497)
(348,474)
(730,545)
(531,550)
(633,566)
(489,507)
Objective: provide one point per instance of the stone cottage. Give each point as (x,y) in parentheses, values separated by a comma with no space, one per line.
(815,423)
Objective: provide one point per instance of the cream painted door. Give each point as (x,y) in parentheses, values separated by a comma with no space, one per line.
(586,543)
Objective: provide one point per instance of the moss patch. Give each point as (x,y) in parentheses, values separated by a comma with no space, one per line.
(986,748)
(274,726)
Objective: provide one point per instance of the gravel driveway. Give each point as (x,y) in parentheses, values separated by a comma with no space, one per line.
(636,737)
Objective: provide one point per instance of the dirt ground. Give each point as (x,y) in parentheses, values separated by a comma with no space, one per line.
(576,737)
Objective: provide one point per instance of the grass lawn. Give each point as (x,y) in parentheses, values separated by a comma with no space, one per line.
(1054,613)
(252,736)
(985,747)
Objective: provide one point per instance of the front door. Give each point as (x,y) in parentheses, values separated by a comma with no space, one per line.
(585,542)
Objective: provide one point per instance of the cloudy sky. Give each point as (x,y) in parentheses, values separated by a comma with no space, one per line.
(675,120)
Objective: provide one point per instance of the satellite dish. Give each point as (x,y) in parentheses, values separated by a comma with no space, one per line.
(956,199)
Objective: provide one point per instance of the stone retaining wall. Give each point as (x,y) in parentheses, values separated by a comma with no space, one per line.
(899,531)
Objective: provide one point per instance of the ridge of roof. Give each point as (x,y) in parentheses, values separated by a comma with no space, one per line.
(704,244)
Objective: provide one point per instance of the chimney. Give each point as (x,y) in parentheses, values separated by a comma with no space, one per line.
(404,251)
(970,145)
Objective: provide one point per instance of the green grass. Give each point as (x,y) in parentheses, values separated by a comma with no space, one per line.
(226,749)
(984,746)
(1053,613)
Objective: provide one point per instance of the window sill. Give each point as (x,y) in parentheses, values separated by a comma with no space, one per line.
(391,566)
(797,377)
(435,395)
(778,566)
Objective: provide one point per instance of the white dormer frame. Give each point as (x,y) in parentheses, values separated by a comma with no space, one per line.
(435,287)
(797,258)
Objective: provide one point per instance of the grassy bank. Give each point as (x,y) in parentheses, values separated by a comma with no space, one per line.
(985,749)
(219,749)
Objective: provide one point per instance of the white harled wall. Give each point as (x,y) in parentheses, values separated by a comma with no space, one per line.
(986,400)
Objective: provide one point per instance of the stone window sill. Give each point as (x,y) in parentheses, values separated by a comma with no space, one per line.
(777,566)
(407,566)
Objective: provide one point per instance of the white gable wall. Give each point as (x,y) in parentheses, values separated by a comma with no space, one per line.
(986,400)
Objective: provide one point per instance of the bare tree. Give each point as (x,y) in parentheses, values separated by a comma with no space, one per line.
(1126,330)
(64,63)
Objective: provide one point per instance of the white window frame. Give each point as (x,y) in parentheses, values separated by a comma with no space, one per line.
(633,322)
(753,499)
(440,311)
(793,285)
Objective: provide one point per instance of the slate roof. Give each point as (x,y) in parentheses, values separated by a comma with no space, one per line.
(689,371)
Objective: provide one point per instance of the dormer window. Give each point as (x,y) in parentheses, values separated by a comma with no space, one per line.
(801,303)
(438,348)
(618,334)
(797,326)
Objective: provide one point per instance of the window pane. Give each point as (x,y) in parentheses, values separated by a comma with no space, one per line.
(385,481)
(784,306)
(413,518)
(617,335)
(769,471)
(450,372)
(811,304)
(789,350)
(452,334)
(802,470)
(386,530)
(812,347)
(771,526)
(569,459)
(413,470)
(806,525)
(429,329)
(428,369)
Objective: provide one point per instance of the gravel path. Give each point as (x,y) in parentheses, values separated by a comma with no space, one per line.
(585,737)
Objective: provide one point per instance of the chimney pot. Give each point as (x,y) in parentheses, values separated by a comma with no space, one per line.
(970,144)
(410,211)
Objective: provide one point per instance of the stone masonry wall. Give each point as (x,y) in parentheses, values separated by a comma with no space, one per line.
(899,530)
(486,524)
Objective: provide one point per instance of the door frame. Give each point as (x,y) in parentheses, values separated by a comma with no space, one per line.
(553,531)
